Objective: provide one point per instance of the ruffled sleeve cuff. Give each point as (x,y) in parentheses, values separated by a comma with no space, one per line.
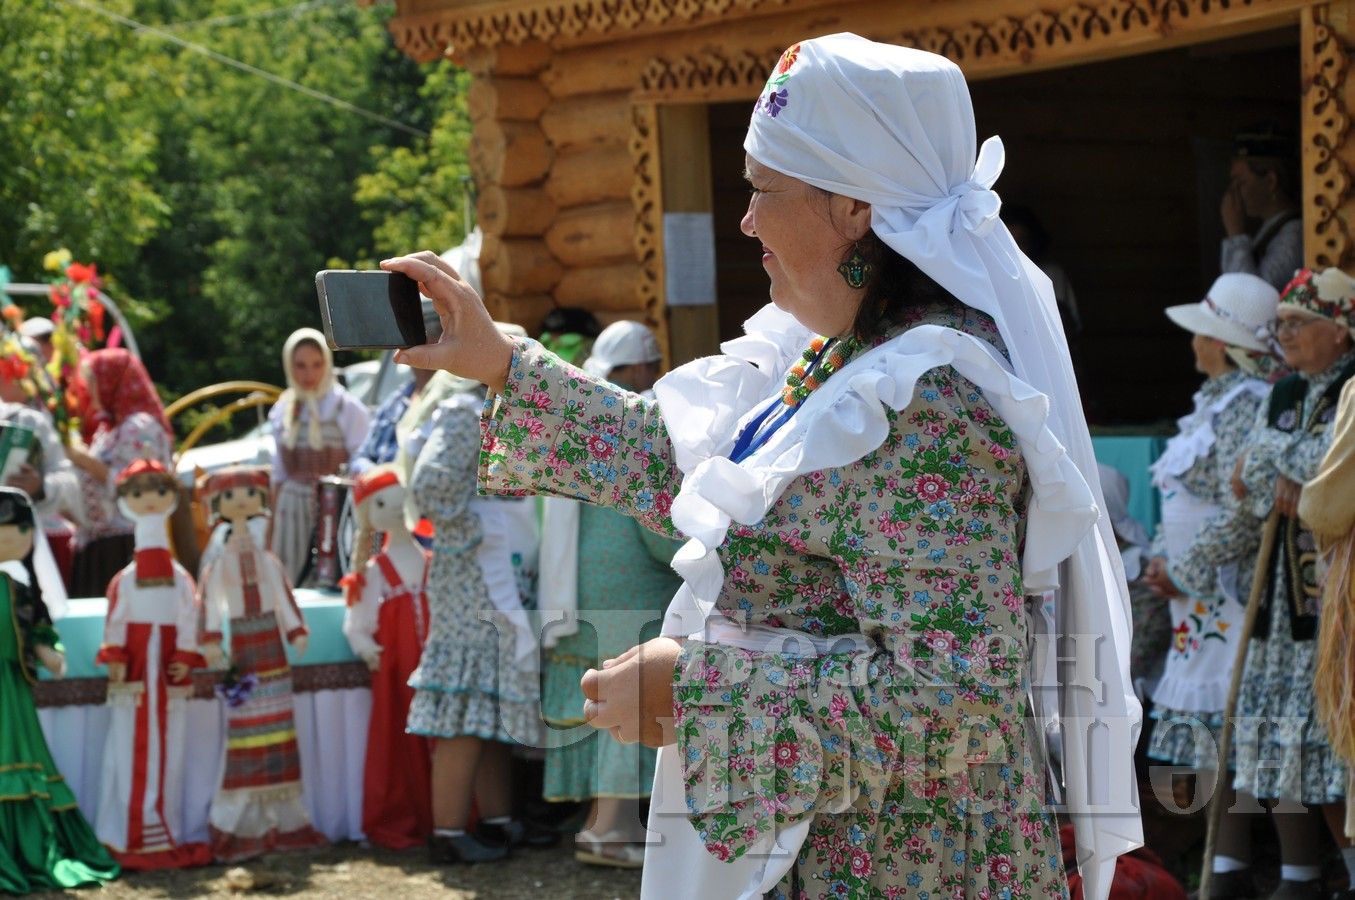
(190,658)
(110,654)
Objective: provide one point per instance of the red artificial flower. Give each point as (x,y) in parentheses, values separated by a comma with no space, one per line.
(13,313)
(83,274)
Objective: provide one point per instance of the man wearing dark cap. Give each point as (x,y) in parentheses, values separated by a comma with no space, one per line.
(1262,186)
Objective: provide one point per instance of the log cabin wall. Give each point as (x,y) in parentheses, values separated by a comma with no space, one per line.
(569,97)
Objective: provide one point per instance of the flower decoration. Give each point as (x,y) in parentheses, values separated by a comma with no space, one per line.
(57,260)
(1329,294)
(775,96)
(78,319)
(236,688)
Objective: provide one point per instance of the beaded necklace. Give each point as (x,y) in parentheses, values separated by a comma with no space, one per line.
(804,380)
(805,377)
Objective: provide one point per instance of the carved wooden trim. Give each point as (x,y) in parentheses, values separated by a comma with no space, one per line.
(998,45)
(646,196)
(1326,126)
(428,35)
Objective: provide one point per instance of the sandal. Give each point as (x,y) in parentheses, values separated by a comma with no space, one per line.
(596,850)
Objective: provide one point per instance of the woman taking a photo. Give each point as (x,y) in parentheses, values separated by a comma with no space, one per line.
(870,490)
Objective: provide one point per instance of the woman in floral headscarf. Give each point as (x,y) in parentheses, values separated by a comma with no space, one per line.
(1282,749)
(130,424)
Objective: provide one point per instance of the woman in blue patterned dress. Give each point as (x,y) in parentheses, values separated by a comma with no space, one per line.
(870,487)
(468,695)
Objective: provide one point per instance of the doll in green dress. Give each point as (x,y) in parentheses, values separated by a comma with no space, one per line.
(45,843)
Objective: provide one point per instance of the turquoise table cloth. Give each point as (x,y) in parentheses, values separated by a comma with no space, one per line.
(82,628)
(1131,455)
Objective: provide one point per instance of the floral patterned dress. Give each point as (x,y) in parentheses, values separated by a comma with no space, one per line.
(910,762)
(1198,670)
(466,683)
(1280,746)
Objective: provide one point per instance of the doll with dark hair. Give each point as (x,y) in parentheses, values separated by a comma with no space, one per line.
(150,648)
(45,843)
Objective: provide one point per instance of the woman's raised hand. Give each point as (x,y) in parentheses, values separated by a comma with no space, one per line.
(470,345)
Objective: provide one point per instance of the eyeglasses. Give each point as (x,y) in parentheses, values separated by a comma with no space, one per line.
(1283,327)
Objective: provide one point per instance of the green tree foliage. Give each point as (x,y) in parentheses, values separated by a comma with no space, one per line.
(416,197)
(77,143)
(214,195)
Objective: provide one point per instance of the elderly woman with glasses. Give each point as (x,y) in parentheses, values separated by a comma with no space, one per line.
(1282,750)
(873,480)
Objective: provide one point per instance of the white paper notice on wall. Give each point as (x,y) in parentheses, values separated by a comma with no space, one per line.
(689,258)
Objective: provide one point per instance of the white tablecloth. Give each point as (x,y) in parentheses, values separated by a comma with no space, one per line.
(331,772)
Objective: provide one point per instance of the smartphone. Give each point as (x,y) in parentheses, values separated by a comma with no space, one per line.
(370,310)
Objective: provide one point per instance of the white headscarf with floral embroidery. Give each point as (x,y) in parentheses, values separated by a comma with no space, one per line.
(894,127)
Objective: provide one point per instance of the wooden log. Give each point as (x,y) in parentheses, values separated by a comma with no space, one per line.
(526,310)
(511,154)
(615,287)
(510,99)
(514,212)
(591,176)
(519,266)
(590,72)
(526,58)
(587,121)
(593,235)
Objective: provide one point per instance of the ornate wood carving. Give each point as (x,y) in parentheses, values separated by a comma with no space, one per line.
(1326,126)
(1000,44)
(427,35)
(647,198)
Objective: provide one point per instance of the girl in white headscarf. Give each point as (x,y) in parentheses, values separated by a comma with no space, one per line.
(872,481)
(316,426)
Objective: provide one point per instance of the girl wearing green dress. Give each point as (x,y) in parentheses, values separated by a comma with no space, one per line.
(45,843)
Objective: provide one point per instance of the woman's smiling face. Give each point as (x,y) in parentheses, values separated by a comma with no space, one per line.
(805,235)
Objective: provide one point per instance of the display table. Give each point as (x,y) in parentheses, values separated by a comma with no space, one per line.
(332,699)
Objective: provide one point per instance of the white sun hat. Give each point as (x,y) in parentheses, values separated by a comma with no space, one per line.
(622,344)
(1237,310)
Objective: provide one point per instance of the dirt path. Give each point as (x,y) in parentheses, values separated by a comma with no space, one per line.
(351,871)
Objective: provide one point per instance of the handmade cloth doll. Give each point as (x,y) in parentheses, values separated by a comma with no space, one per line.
(150,649)
(45,843)
(386,625)
(245,592)
(317,427)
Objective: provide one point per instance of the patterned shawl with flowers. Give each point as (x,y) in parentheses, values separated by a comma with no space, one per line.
(123,387)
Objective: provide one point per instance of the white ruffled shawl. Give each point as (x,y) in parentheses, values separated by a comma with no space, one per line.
(705,403)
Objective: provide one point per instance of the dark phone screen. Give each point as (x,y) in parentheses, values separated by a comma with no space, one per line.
(370,309)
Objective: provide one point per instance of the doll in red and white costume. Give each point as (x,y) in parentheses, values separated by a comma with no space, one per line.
(150,649)
(386,624)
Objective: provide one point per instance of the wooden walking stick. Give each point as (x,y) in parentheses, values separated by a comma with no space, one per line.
(1258,586)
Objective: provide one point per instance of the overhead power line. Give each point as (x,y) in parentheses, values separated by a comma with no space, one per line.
(246,67)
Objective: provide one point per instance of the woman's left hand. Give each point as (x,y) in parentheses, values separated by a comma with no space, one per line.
(632,695)
(1287,496)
